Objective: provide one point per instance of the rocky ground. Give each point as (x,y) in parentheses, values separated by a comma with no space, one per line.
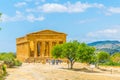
(38,71)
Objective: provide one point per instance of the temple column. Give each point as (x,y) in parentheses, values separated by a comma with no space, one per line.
(28,49)
(50,49)
(43,49)
(35,49)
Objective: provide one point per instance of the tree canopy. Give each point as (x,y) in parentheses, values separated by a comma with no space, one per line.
(103,57)
(86,53)
(73,51)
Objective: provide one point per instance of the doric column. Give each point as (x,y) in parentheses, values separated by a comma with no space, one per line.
(43,49)
(28,49)
(50,48)
(35,49)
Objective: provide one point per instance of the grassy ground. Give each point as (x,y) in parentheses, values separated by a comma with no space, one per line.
(2,76)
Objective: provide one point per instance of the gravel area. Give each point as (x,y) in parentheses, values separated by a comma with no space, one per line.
(38,71)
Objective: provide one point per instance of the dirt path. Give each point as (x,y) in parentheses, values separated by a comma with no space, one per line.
(37,71)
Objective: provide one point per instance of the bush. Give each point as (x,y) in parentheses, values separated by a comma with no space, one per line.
(111,63)
(17,63)
(9,59)
(4,68)
(116,57)
(3,73)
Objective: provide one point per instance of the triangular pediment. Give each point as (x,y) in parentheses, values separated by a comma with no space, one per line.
(47,32)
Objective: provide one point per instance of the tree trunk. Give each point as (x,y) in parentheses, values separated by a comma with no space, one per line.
(71,64)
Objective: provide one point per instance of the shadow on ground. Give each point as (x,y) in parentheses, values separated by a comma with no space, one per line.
(82,70)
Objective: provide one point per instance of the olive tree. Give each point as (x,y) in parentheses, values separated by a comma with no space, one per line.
(73,51)
(86,53)
(67,50)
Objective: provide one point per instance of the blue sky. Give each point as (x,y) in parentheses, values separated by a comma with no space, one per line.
(84,20)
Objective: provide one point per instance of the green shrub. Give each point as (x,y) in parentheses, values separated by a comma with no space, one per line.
(9,59)
(17,63)
(4,72)
(4,66)
(111,63)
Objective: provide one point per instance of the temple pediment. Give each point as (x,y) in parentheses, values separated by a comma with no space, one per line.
(48,32)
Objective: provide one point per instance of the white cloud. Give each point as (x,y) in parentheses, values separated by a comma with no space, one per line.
(53,8)
(67,7)
(87,21)
(20,4)
(28,0)
(32,18)
(104,33)
(77,7)
(96,5)
(35,1)
(114,10)
(21,17)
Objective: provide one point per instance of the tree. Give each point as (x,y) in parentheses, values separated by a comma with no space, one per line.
(86,53)
(73,51)
(103,57)
(57,51)
(70,52)
(67,50)
(115,57)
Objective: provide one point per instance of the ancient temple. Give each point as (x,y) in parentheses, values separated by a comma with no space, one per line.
(38,44)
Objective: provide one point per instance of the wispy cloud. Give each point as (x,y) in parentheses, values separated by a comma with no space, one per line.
(35,0)
(21,17)
(112,10)
(67,7)
(20,4)
(112,33)
(87,20)
(32,18)
(109,33)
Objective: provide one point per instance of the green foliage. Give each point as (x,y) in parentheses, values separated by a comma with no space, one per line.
(4,72)
(115,57)
(74,51)
(17,63)
(66,50)
(57,51)
(70,50)
(103,57)
(7,56)
(111,63)
(4,66)
(0,14)
(9,59)
(86,53)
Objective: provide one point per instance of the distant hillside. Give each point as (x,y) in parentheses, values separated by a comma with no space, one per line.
(108,46)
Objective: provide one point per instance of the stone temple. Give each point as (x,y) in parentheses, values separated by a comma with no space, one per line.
(38,44)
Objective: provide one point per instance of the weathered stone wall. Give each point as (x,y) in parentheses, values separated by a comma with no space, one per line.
(22,51)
